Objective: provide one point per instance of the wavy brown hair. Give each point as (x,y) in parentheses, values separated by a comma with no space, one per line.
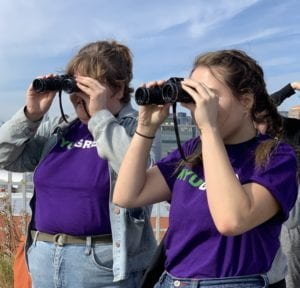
(107,61)
(242,75)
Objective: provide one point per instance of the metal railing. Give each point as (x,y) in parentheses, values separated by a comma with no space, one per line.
(17,190)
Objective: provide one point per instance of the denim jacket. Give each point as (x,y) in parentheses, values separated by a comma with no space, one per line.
(23,144)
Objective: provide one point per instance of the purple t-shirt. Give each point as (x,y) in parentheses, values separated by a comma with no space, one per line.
(194,247)
(72,187)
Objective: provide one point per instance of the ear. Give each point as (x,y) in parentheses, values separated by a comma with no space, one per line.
(119,92)
(247,101)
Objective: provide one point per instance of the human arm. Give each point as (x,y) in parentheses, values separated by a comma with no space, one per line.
(295,85)
(38,104)
(294,217)
(279,96)
(235,208)
(112,122)
(113,135)
(20,142)
(135,186)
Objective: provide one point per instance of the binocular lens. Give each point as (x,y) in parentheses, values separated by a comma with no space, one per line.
(142,96)
(38,85)
(145,96)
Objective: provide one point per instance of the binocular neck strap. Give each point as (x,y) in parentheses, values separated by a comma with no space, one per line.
(63,116)
(177,132)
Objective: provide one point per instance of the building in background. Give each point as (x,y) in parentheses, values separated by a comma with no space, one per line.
(294,112)
(186,128)
(19,188)
(284,113)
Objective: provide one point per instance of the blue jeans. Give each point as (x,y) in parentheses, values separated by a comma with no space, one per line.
(75,266)
(168,281)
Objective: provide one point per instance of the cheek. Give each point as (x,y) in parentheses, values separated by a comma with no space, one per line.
(74,99)
(224,111)
(229,115)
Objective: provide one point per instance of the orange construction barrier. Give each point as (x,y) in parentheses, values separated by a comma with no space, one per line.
(21,275)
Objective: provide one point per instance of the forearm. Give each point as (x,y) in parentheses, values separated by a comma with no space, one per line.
(228,202)
(294,217)
(16,150)
(111,137)
(132,174)
(279,96)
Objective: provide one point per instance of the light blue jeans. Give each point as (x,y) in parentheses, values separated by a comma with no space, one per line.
(75,266)
(168,281)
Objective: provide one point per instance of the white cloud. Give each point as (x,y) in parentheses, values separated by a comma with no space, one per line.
(39,36)
(215,13)
(253,36)
(55,26)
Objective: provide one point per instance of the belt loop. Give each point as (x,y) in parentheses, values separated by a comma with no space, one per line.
(88,245)
(163,277)
(35,238)
(59,239)
(266,280)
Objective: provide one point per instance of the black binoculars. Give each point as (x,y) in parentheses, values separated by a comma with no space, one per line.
(170,92)
(66,83)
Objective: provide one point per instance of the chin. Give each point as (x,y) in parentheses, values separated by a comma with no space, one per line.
(84,121)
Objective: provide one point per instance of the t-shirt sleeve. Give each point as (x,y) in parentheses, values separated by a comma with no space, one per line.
(169,164)
(279,176)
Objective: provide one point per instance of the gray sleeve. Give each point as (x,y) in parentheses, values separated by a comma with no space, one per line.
(113,137)
(20,143)
(294,216)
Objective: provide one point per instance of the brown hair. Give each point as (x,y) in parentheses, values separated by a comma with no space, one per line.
(107,61)
(243,75)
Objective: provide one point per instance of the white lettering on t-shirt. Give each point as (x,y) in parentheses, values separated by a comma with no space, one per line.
(202,186)
(79,143)
(87,144)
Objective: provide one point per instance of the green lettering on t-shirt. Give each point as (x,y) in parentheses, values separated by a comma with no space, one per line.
(65,142)
(184,173)
(193,182)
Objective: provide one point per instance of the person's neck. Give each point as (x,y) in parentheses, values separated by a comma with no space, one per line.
(117,108)
(246,133)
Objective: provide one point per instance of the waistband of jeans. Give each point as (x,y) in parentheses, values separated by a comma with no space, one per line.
(177,281)
(61,239)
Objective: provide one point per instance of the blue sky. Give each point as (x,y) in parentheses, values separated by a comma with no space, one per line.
(39,37)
